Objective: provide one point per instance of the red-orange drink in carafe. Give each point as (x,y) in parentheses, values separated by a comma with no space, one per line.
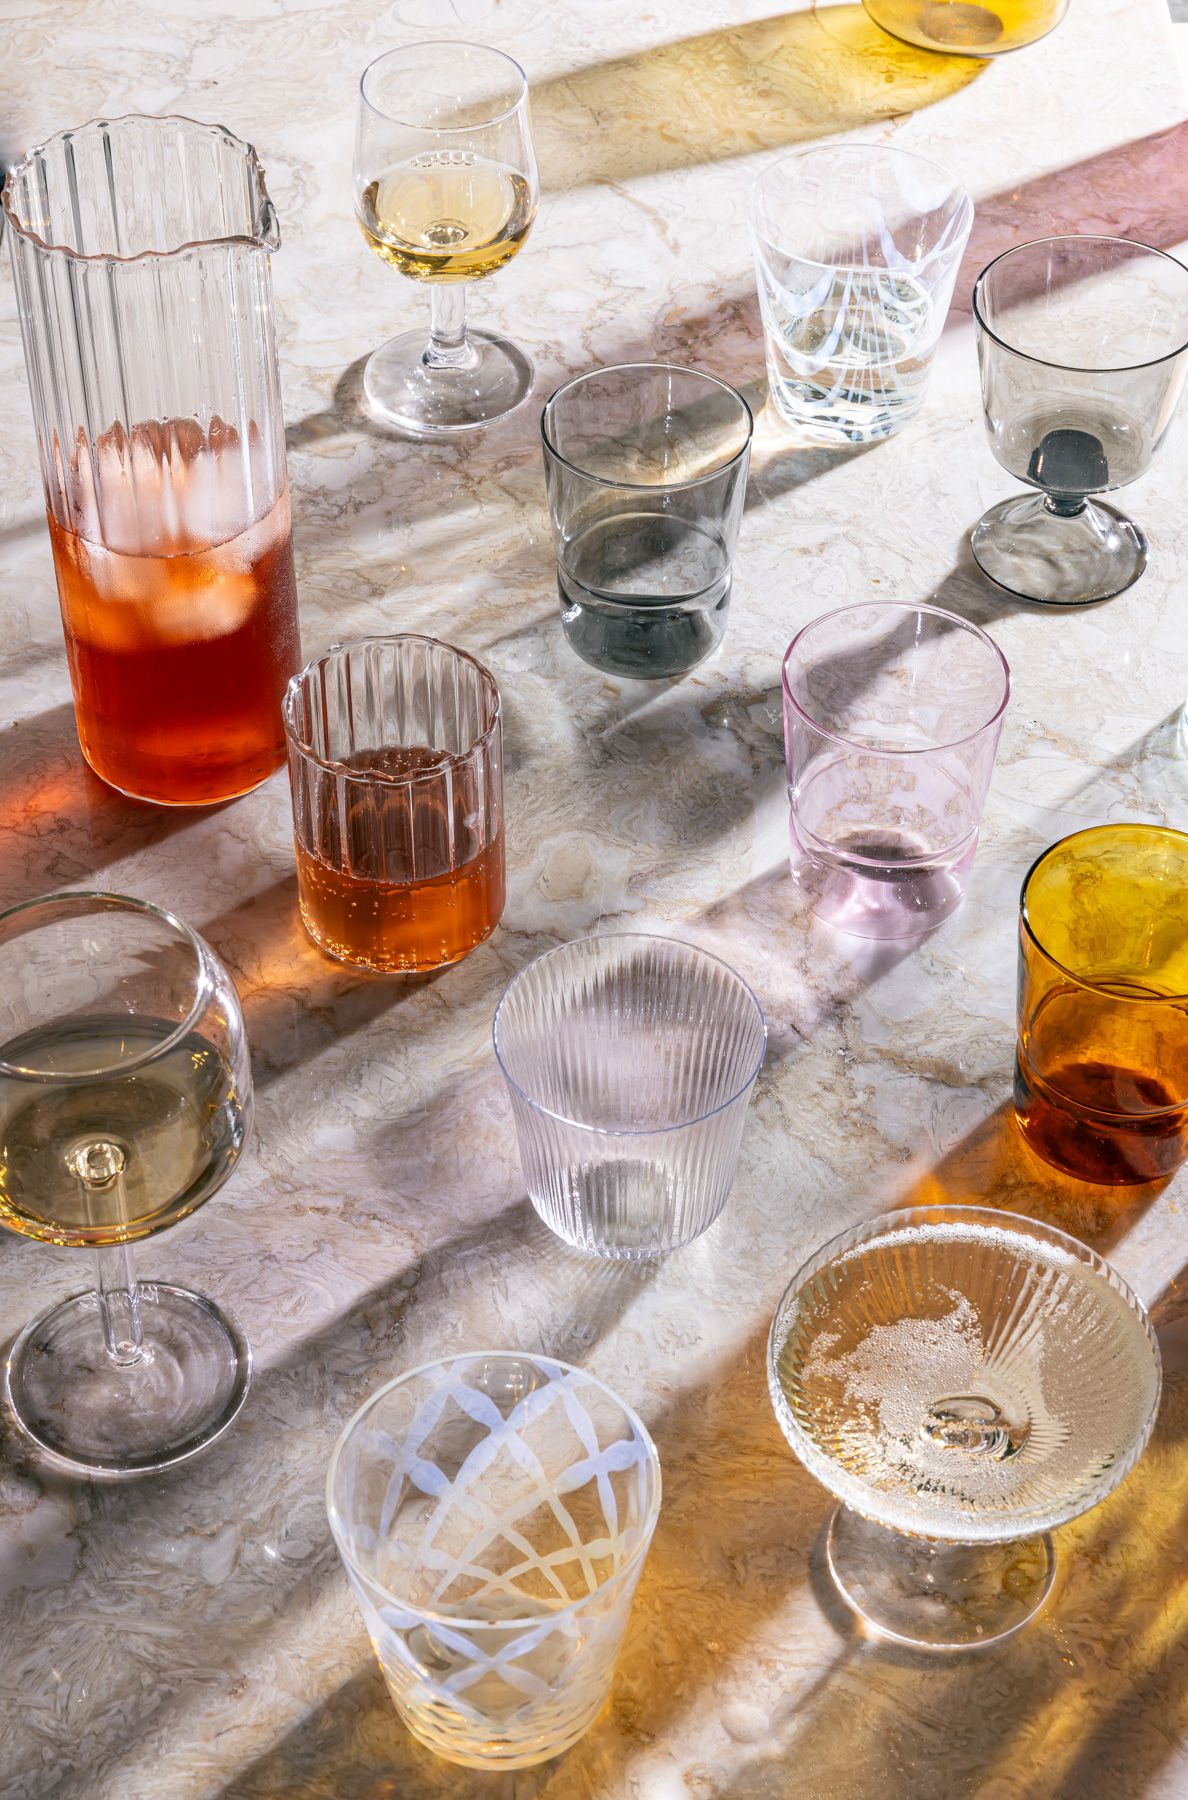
(180,610)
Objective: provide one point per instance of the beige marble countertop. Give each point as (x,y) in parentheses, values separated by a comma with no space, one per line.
(191,1637)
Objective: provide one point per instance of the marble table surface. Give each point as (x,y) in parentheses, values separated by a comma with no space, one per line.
(191,1637)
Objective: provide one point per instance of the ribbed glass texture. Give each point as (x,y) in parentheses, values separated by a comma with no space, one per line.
(493,1512)
(141,257)
(396,766)
(630,1062)
(964,1374)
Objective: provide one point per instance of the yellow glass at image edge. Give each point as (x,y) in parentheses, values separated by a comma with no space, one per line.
(1101,1073)
(961,28)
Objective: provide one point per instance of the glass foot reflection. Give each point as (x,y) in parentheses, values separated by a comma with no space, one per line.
(935,1595)
(1059,558)
(106,1416)
(492,378)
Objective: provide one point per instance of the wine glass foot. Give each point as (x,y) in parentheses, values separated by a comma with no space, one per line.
(104,1417)
(1058,559)
(938,1596)
(404,391)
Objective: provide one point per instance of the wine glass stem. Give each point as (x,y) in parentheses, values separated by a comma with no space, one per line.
(1065,506)
(448,346)
(119,1303)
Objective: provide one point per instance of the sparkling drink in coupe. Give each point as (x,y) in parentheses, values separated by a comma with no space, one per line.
(963,1381)
(180,617)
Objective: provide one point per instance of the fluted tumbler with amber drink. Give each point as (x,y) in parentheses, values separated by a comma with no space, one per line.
(1101,1074)
(396,764)
(140,250)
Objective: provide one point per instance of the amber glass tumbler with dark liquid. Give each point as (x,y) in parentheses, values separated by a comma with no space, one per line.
(141,251)
(396,763)
(1101,1073)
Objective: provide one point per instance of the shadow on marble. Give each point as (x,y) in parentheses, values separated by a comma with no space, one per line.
(1136,190)
(993,1165)
(17,529)
(1080,1705)
(806,973)
(67,824)
(1100,1667)
(789,79)
(282,1555)
(298,1001)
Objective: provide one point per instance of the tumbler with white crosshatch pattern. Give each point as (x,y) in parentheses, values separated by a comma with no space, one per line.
(493,1512)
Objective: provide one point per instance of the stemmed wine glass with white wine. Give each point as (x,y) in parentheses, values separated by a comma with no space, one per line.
(125,1102)
(446,191)
(963,1380)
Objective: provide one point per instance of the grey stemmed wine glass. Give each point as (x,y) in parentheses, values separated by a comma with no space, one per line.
(125,1102)
(1083,347)
(446,191)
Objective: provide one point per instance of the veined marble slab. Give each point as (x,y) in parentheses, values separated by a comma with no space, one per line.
(191,1638)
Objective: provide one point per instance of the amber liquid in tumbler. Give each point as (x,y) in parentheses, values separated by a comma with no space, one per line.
(180,642)
(394,889)
(1095,1107)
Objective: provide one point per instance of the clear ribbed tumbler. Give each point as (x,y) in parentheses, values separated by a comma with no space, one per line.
(630,1061)
(493,1512)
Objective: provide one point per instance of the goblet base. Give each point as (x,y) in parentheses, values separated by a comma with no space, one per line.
(104,1417)
(1058,558)
(435,399)
(938,1596)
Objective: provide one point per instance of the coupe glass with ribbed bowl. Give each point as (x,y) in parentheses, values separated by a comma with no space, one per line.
(964,1381)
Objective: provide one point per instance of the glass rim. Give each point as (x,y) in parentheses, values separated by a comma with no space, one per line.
(694,951)
(958,193)
(1046,362)
(1084,981)
(443,44)
(103,900)
(330,765)
(917,606)
(267,238)
(648,487)
(630,1563)
(1019,1225)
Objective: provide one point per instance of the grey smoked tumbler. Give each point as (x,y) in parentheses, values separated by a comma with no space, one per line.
(646,472)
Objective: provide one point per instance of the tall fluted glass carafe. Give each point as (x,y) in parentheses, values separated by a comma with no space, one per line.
(141,253)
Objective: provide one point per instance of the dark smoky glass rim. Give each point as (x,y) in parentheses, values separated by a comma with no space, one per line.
(648,487)
(267,238)
(1045,362)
